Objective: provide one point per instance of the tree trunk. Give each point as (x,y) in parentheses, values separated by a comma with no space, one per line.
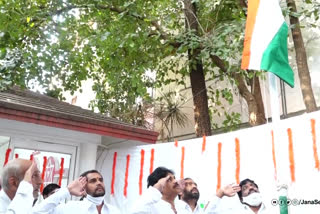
(254,100)
(301,58)
(197,78)
(256,91)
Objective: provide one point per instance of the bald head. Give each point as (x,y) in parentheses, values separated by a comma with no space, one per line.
(14,169)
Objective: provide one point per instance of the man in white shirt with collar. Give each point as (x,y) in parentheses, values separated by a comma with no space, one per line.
(19,178)
(189,198)
(94,203)
(160,196)
(251,198)
(190,195)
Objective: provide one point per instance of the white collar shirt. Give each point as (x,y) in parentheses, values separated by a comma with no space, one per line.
(183,207)
(151,203)
(21,203)
(53,205)
(262,210)
(216,207)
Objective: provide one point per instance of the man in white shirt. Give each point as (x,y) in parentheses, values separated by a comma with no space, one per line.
(190,195)
(189,198)
(94,203)
(159,198)
(251,198)
(18,179)
(250,201)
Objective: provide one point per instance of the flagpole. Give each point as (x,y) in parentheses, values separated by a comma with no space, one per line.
(280,146)
(274,101)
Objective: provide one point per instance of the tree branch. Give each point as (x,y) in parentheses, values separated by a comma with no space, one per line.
(154,23)
(243,89)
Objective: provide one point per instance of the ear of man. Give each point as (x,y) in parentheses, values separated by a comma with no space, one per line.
(13,183)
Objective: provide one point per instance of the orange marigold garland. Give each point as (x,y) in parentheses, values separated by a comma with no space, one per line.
(219,166)
(141,171)
(314,139)
(7,156)
(274,156)
(237,160)
(126,177)
(291,156)
(113,172)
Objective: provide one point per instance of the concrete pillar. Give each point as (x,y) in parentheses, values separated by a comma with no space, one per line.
(88,156)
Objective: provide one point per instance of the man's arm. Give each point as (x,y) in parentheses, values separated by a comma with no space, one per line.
(214,204)
(23,199)
(51,205)
(153,195)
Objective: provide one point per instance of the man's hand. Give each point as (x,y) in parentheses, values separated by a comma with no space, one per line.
(229,190)
(161,183)
(182,183)
(29,173)
(77,187)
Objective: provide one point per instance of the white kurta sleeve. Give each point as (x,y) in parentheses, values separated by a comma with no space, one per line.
(212,206)
(51,204)
(144,204)
(22,201)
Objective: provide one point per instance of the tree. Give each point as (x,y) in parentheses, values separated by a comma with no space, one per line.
(117,44)
(301,57)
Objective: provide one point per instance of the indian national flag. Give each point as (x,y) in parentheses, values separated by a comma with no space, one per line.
(265,43)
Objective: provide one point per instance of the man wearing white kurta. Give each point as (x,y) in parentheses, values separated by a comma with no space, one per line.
(17,179)
(251,198)
(162,192)
(189,197)
(94,203)
(160,196)
(250,201)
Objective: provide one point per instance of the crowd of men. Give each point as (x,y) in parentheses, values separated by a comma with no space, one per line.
(21,181)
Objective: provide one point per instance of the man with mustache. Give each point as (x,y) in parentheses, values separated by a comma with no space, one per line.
(251,198)
(92,186)
(189,197)
(160,196)
(163,189)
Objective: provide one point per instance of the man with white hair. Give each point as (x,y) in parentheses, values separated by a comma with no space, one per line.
(17,180)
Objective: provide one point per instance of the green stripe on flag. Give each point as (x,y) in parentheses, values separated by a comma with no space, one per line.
(275,57)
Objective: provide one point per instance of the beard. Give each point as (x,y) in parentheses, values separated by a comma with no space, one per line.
(98,192)
(188,195)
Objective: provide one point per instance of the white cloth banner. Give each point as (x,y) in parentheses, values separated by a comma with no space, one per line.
(247,153)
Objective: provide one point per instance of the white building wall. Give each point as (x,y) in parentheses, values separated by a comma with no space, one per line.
(52,138)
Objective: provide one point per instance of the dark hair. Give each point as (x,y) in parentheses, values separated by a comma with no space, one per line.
(89,172)
(49,188)
(244,182)
(157,174)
